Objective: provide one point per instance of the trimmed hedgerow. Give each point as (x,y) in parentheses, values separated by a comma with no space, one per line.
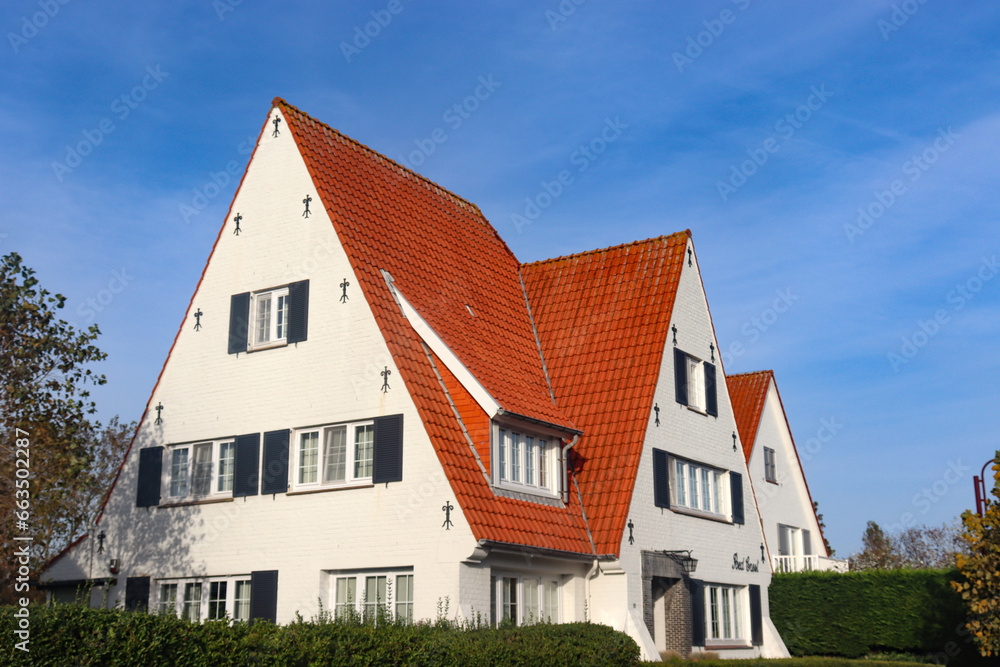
(855,613)
(75,635)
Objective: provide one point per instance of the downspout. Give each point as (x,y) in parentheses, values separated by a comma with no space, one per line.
(586,588)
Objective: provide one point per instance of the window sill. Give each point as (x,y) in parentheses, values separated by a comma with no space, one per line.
(199,501)
(697,410)
(701,514)
(523,489)
(722,644)
(268,346)
(324,489)
(772,481)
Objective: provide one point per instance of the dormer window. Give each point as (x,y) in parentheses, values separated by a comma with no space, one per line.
(523,461)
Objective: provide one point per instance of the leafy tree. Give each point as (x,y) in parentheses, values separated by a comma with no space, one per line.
(45,375)
(877,552)
(981,571)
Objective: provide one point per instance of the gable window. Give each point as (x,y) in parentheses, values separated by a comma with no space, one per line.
(335,455)
(725,607)
(199,471)
(373,595)
(694,383)
(269,318)
(699,487)
(770,472)
(527,599)
(522,461)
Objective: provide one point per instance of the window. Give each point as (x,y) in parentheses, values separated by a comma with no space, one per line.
(217,600)
(200,471)
(270,318)
(694,382)
(376,599)
(696,486)
(223,595)
(770,473)
(335,455)
(346,597)
(373,594)
(241,601)
(527,599)
(404,597)
(523,462)
(725,620)
(168,599)
(192,602)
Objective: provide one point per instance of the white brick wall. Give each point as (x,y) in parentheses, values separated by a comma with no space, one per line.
(700,438)
(332,376)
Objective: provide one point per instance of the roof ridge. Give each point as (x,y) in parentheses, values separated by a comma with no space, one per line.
(746,373)
(278,101)
(686,232)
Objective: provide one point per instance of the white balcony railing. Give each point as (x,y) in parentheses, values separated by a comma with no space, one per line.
(805,563)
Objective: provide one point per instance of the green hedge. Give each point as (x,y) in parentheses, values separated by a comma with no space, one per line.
(74,635)
(855,613)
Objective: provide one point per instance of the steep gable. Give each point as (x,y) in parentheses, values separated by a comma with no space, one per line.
(603,318)
(748,392)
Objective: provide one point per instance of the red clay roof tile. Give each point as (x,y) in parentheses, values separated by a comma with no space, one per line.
(747,391)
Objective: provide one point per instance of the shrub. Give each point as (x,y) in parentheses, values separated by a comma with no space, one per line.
(75,635)
(852,614)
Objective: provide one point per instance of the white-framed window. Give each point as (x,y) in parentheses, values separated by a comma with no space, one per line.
(770,469)
(696,384)
(699,487)
(210,598)
(167,603)
(525,599)
(335,455)
(199,470)
(269,313)
(725,614)
(369,595)
(523,461)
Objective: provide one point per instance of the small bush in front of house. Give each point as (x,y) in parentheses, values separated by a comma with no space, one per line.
(75,635)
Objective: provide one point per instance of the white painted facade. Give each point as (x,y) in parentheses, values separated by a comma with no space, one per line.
(784,502)
(334,376)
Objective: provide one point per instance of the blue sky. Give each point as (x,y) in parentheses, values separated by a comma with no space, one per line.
(837,157)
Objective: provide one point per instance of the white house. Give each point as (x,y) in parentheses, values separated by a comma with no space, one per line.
(791,526)
(371,402)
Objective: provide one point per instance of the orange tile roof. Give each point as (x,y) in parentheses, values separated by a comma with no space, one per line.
(747,391)
(443,256)
(602,318)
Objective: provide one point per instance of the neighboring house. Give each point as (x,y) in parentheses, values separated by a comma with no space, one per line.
(372,403)
(794,536)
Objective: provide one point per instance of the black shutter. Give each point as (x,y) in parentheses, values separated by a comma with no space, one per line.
(147,493)
(493,601)
(736,486)
(661,478)
(680,377)
(264,595)
(246,467)
(697,613)
(137,593)
(298,311)
(711,399)
(756,618)
(239,322)
(388,455)
(275,471)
